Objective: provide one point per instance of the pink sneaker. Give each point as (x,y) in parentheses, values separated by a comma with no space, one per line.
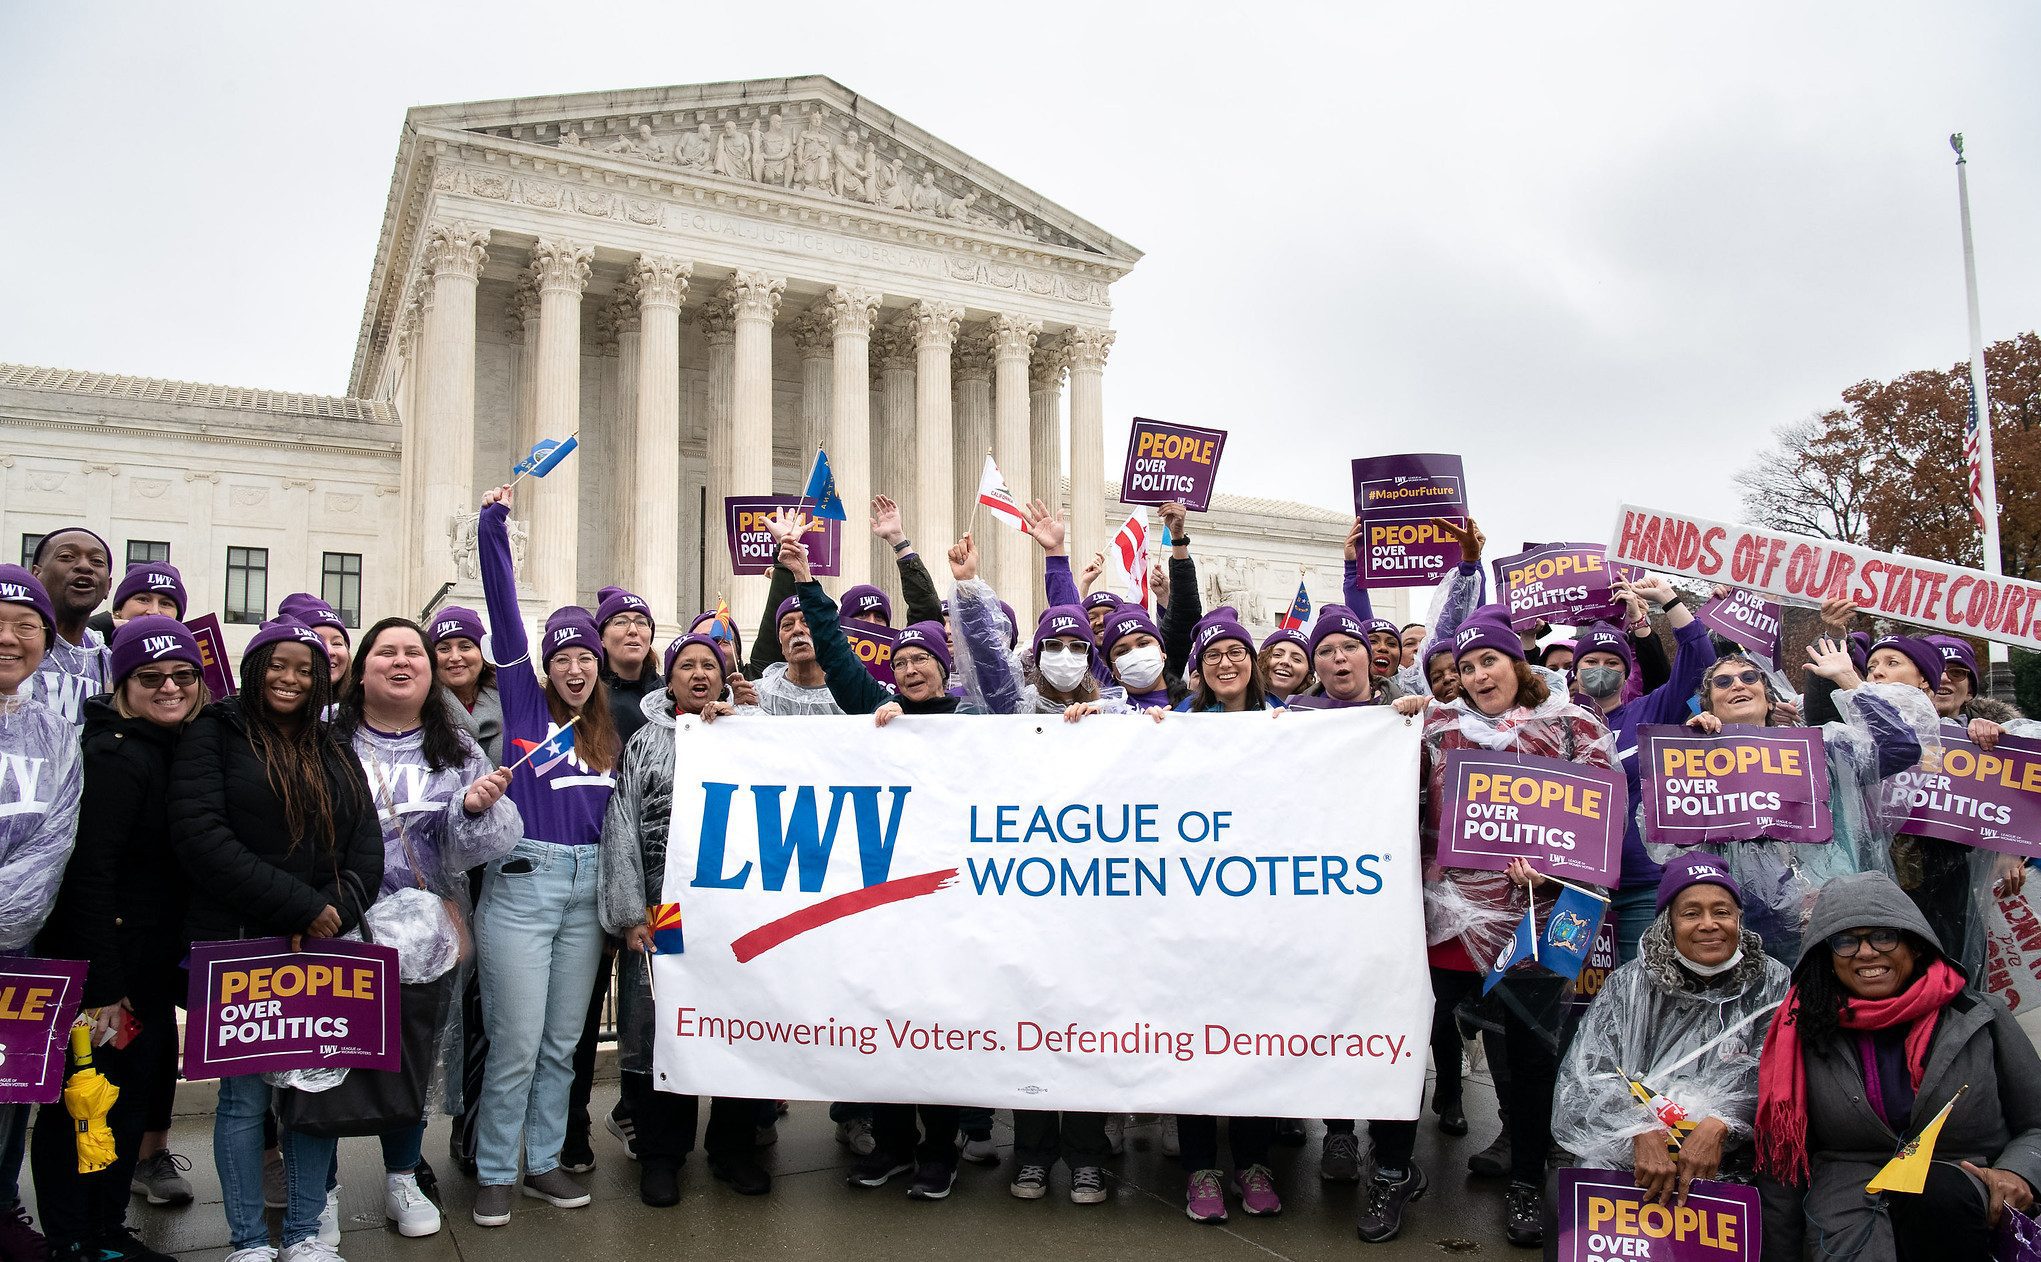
(1204,1198)
(1257,1189)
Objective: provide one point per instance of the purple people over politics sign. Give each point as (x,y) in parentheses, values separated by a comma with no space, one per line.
(1744,618)
(1975,797)
(1604,1215)
(1171,462)
(751,546)
(256,1006)
(38,999)
(1560,582)
(1746,783)
(1567,819)
(1397,499)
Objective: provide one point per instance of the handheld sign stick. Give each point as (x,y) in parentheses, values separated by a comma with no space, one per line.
(542,744)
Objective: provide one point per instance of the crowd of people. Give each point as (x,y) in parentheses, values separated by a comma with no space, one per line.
(1807,1007)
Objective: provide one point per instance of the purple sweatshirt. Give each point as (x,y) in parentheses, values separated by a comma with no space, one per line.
(565,805)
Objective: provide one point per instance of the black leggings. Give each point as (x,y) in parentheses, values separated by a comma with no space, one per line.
(77,1208)
(935,1144)
(1946,1220)
(666,1122)
(1198,1141)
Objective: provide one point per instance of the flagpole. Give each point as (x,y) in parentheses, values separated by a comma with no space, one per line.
(1987,492)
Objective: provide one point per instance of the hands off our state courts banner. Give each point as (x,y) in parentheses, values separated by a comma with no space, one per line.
(1807,571)
(1976,797)
(1748,782)
(921,914)
(1567,819)
(751,545)
(1559,582)
(1397,498)
(38,1001)
(1171,462)
(256,1006)
(1604,1217)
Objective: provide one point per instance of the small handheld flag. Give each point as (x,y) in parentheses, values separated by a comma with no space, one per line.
(1130,557)
(1908,1172)
(722,628)
(546,455)
(821,489)
(1670,1114)
(1570,932)
(1300,609)
(992,494)
(664,920)
(550,752)
(1522,945)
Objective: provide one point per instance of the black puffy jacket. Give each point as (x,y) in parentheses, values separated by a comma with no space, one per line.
(250,878)
(121,906)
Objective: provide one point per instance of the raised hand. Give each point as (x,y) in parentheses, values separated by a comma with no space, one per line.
(1839,613)
(886,519)
(1048,530)
(501,495)
(1469,537)
(1353,540)
(1705,722)
(794,555)
(1831,660)
(785,524)
(1653,587)
(964,559)
(1158,583)
(1172,517)
(1093,569)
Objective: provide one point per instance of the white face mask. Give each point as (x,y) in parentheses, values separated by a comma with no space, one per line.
(1709,970)
(1063,670)
(1140,668)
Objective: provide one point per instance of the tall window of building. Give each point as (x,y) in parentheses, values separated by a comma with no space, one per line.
(28,543)
(146,551)
(340,584)
(247,584)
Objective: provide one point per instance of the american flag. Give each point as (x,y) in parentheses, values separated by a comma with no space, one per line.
(1974,458)
(1130,557)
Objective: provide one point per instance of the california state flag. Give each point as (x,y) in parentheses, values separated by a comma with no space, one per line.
(992,494)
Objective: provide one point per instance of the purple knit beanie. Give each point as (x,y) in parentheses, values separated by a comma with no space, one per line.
(19,587)
(1476,634)
(1107,599)
(1211,631)
(1338,620)
(151,576)
(1860,650)
(1064,622)
(693,637)
(1695,869)
(1922,654)
(929,637)
(305,608)
(1286,635)
(612,601)
(717,630)
(1603,638)
(1128,620)
(151,638)
(455,622)
(791,604)
(285,631)
(1956,652)
(868,602)
(569,627)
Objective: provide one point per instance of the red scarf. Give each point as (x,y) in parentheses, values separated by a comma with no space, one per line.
(1782,1068)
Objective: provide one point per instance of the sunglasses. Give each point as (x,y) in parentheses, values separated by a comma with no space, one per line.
(1741,677)
(151,680)
(1845,945)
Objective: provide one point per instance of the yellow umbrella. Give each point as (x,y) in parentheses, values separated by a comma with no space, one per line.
(88,1097)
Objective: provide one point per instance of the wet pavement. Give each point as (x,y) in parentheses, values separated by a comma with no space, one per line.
(811,1214)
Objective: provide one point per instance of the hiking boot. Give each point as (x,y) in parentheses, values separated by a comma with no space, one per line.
(932,1181)
(1031,1183)
(659,1183)
(856,1134)
(876,1169)
(1204,1197)
(1386,1199)
(1493,1161)
(492,1205)
(1523,1217)
(1339,1161)
(1087,1186)
(405,1204)
(1256,1188)
(744,1175)
(161,1179)
(556,1189)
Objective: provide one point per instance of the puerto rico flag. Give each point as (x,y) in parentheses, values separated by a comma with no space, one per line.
(1300,609)
(549,753)
(1129,557)
(992,494)
(664,919)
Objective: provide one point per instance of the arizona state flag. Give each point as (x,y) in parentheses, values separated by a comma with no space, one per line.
(664,919)
(1908,1172)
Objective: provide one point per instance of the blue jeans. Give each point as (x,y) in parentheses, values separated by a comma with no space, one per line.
(539,940)
(308,1169)
(237,1152)
(403,1150)
(1634,910)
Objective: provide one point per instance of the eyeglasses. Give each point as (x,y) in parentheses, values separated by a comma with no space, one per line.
(1846,945)
(151,680)
(630,620)
(1232,653)
(1741,677)
(24,629)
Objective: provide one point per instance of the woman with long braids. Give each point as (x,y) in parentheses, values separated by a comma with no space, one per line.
(271,816)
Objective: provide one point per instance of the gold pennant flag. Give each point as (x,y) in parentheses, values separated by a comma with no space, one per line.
(1908,1172)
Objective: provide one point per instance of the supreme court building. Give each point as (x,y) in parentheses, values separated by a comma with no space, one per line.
(704,284)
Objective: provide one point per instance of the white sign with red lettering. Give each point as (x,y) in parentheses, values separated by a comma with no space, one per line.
(1807,571)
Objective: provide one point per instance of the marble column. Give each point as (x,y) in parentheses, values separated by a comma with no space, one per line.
(933,516)
(894,454)
(1013,341)
(1086,349)
(754,299)
(616,495)
(814,340)
(524,317)
(971,360)
(1045,438)
(445,455)
(411,399)
(850,419)
(655,511)
(719,333)
(561,270)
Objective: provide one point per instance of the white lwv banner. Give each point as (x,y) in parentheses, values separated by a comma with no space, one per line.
(1213,914)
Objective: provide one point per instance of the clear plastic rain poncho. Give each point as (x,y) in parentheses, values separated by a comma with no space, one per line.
(2002,950)
(1456,594)
(633,867)
(1655,1024)
(41,777)
(996,677)
(1884,730)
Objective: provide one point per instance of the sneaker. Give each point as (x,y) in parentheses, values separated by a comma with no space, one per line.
(1204,1197)
(492,1206)
(856,1135)
(160,1178)
(625,1130)
(1290,1132)
(1116,1133)
(1170,1146)
(1452,1117)
(276,1194)
(744,1175)
(1492,1161)
(260,1253)
(1339,1160)
(428,1182)
(118,1244)
(876,1169)
(659,1183)
(405,1204)
(329,1219)
(1031,1184)
(577,1156)
(1087,1186)
(1384,1203)
(19,1240)
(556,1189)
(979,1150)
(932,1182)
(1523,1215)
(312,1250)
(766,1136)
(1256,1188)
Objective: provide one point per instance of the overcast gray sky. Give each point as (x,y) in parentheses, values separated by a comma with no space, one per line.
(1602,250)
